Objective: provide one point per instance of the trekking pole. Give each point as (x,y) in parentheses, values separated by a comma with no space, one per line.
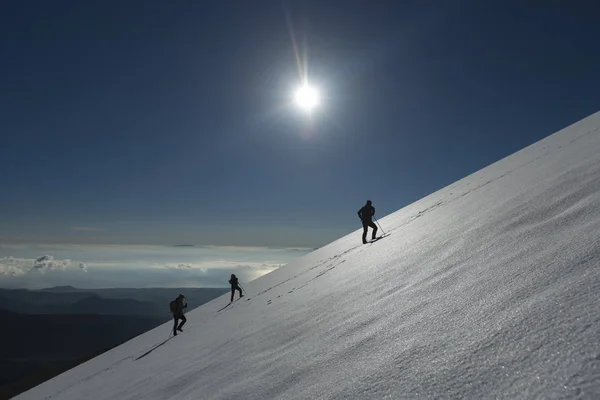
(243,290)
(382,231)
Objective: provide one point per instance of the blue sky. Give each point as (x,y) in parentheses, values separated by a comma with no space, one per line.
(163,123)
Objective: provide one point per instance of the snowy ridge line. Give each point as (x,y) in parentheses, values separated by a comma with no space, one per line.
(554,143)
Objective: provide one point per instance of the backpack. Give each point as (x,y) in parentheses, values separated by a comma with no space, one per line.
(173,306)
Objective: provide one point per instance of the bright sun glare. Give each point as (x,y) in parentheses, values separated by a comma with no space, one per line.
(307,97)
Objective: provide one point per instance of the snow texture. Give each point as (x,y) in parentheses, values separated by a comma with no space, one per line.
(488,288)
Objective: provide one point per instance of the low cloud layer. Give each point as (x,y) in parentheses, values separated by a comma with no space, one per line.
(9,267)
(13,266)
(105,266)
(181,266)
(47,262)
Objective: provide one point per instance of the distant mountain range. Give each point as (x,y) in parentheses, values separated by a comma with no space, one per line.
(69,300)
(44,332)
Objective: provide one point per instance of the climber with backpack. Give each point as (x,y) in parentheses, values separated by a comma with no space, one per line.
(177,306)
(366,214)
(233,281)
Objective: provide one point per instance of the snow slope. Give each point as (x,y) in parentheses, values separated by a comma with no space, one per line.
(488,288)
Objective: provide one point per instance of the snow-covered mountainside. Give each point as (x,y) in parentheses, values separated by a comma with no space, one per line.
(488,288)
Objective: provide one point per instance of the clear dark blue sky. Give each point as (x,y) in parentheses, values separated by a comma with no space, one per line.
(168,121)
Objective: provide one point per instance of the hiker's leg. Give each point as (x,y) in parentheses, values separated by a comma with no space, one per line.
(175,318)
(183,321)
(372,225)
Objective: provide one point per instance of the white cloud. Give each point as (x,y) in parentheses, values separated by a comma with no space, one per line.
(224,264)
(46,263)
(258,267)
(187,266)
(11,266)
(204,266)
(82,266)
(10,270)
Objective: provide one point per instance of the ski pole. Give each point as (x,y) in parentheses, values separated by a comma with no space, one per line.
(382,231)
(243,290)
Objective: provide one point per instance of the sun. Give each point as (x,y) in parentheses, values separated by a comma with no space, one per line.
(307,97)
